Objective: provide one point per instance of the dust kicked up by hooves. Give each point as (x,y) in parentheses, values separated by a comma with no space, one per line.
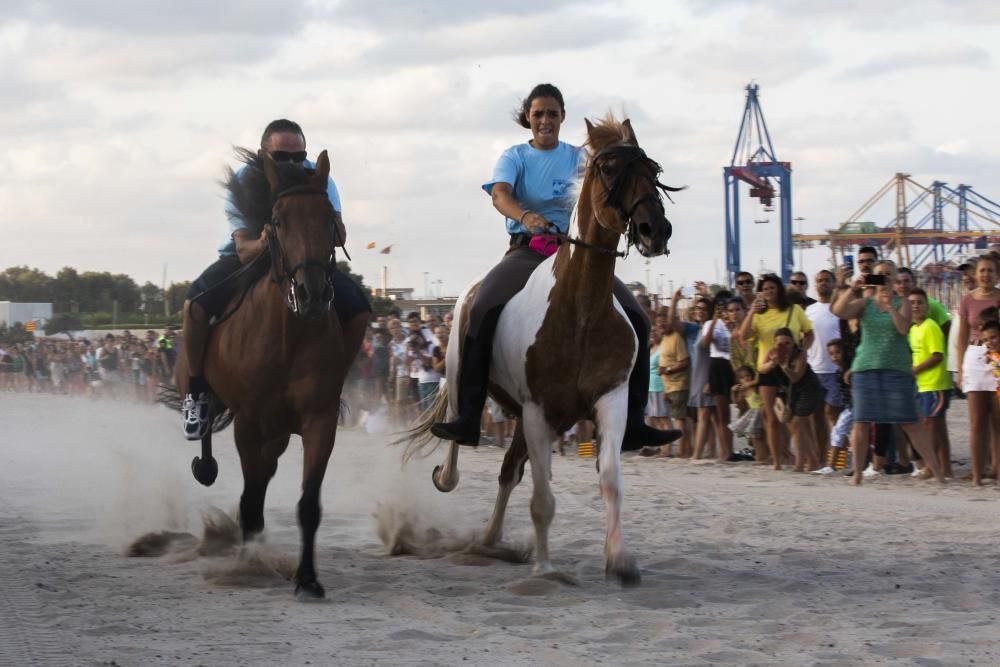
(233,563)
(405,531)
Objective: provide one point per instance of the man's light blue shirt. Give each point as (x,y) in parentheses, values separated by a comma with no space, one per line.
(228,247)
(542,181)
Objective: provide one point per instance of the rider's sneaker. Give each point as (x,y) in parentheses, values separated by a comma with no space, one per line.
(195,415)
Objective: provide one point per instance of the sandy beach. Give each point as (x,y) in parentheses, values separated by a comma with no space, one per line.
(741,565)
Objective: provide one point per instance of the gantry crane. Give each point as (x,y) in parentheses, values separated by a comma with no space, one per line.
(932,239)
(754,162)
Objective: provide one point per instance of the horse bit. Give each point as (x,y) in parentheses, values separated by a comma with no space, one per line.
(280,262)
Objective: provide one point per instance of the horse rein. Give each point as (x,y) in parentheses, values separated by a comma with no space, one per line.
(279,261)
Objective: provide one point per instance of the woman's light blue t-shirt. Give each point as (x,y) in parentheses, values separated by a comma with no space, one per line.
(542,181)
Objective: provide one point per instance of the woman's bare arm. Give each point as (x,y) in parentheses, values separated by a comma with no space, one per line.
(504,202)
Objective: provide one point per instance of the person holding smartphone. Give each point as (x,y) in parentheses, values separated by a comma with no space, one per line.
(770,312)
(883,390)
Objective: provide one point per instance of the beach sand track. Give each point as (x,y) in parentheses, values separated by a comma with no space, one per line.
(740,565)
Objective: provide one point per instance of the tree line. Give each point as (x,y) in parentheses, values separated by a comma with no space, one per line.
(89,292)
(84,299)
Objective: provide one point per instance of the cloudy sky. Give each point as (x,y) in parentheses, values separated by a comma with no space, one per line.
(117,117)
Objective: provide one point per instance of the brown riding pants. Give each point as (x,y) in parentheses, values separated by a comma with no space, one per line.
(511,275)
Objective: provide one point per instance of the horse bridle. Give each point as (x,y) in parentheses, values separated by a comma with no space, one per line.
(631,157)
(279,261)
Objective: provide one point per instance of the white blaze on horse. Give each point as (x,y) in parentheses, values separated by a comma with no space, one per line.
(564,347)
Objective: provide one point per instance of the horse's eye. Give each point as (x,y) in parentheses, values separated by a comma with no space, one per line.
(608,170)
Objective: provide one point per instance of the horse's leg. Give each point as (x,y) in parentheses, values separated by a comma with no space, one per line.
(259,461)
(445,476)
(540,438)
(317,441)
(611,411)
(510,475)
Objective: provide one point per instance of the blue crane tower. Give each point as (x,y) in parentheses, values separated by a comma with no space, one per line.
(755,163)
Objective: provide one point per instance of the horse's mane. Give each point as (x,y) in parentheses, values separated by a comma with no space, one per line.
(250,192)
(605,132)
(252,200)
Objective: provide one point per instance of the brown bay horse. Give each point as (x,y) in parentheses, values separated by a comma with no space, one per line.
(564,347)
(277,361)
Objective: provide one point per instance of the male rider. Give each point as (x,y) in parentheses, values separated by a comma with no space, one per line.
(284,142)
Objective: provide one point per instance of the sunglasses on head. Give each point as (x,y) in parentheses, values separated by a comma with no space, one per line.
(289,156)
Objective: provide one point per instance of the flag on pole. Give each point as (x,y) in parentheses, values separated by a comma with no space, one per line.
(371,246)
(386,250)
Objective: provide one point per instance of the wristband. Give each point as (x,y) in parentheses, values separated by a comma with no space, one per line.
(526,212)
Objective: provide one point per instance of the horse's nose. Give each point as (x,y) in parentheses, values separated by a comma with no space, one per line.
(303,296)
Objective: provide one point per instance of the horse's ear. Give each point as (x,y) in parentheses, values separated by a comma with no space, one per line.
(628,134)
(322,170)
(270,171)
(590,126)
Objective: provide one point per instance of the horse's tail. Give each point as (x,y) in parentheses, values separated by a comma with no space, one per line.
(418,439)
(222,416)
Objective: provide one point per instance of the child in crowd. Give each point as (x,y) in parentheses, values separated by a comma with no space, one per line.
(750,424)
(930,370)
(990,332)
(840,434)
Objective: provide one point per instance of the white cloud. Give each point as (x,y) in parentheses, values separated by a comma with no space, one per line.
(860,14)
(408,16)
(177,17)
(920,60)
(728,65)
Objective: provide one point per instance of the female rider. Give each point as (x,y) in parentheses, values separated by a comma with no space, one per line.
(532,188)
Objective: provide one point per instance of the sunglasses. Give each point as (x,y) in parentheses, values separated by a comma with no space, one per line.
(297,157)
(798,282)
(744,282)
(866,261)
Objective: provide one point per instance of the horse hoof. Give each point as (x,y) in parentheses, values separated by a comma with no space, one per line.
(435,477)
(311,591)
(205,470)
(625,570)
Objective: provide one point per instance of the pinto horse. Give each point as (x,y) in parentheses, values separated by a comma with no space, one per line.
(564,347)
(277,360)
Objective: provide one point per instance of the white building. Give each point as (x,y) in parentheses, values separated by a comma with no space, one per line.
(11,312)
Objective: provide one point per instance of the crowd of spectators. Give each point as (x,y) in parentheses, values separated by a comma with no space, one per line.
(855,375)
(121,366)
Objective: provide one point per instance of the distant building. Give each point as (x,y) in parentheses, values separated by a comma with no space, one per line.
(636,288)
(394,293)
(11,313)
